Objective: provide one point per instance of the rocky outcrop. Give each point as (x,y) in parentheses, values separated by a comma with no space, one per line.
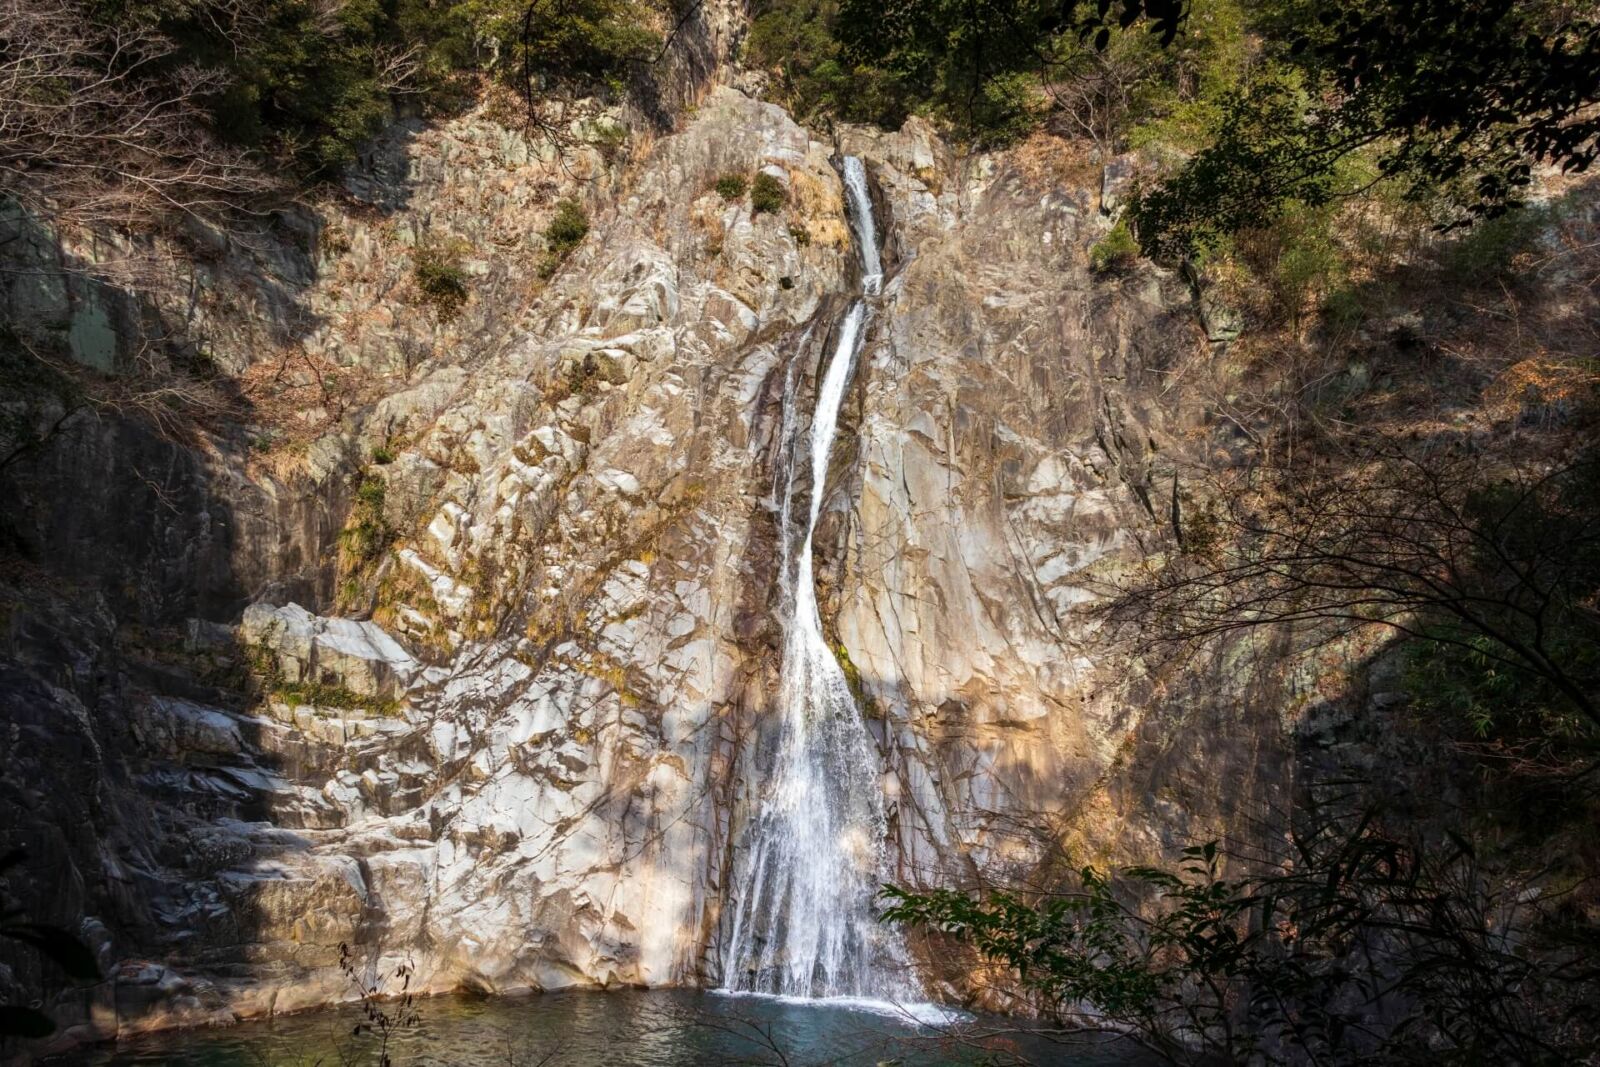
(353,656)
(520,742)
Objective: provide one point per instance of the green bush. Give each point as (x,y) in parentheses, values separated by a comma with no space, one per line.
(310,82)
(1357,945)
(1299,257)
(565,232)
(1487,252)
(767,194)
(731,186)
(798,41)
(570,226)
(441,279)
(368,533)
(1344,309)
(1116,252)
(365,538)
(609,140)
(324,695)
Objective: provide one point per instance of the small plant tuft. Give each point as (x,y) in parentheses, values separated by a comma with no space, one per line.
(565,232)
(767,194)
(609,140)
(732,186)
(441,279)
(366,536)
(1116,252)
(324,695)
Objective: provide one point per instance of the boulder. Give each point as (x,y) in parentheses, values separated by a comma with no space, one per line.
(352,654)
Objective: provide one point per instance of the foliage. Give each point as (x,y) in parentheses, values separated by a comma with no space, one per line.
(1361,947)
(440,278)
(1486,253)
(323,695)
(565,232)
(609,139)
(994,69)
(732,186)
(1261,157)
(103,122)
(387,1012)
(1541,535)
(1455,100)
(1300,258)
(1183,84)
(971,64)
(1265,109)
(589,40)
(767,194)
(1116,252)
(366,535)
(308,82)
(1448,547)
(569,226)
(798,39)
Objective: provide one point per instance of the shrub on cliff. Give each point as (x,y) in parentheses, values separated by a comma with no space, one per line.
(731,186)
(365,538)
(1116,252)
(767,194)
(441,279)
(566,230)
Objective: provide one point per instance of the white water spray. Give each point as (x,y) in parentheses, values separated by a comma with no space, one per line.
(804,925)
(866,227)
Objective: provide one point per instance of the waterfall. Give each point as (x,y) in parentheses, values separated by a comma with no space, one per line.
(866,228)
(804,925)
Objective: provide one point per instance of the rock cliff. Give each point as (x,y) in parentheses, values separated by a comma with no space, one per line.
(464,650)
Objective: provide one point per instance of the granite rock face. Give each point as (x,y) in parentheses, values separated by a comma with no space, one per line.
(521,743)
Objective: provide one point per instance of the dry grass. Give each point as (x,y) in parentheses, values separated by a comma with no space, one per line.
(1047,161)
(818,208)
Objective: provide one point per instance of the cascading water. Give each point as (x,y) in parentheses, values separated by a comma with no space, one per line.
(804,925)
(866,227)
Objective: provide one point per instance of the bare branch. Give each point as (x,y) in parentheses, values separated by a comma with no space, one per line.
(96,130)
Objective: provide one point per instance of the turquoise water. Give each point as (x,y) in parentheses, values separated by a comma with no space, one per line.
(620,1029)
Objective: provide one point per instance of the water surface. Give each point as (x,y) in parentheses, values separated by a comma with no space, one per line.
(620,1029)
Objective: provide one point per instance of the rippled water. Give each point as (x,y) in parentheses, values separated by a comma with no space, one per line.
(618,1029)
